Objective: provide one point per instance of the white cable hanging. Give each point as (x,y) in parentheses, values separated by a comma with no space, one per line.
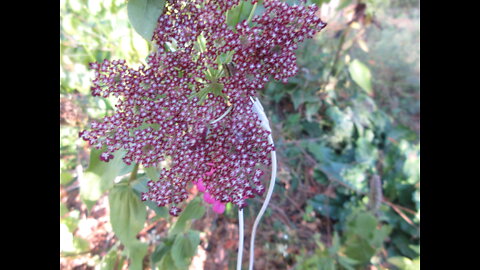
(240,239)
(240,212)
(258,108)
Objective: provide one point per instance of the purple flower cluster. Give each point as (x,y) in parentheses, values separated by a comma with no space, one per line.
(190,105)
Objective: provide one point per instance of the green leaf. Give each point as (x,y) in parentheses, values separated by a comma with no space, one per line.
(65,178)
(405,263)
(70,222)
(320,2)
(322,153)
(144,14)
(363,238)
(184,248)
(239,13)
(136,253)
(139,186)
(160,251)
(152,173)
(364,225)
(335,244)
(194,210)
(347,262)
(361,75)
(167,263)
(311,109)
(108,262)
(99,176)
(127,213)
(63,209)
(80,244)
(365,152)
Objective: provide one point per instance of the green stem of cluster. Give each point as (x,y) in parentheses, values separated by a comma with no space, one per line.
(133,175)
(251,13)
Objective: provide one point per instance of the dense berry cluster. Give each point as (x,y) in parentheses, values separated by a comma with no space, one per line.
(191,104)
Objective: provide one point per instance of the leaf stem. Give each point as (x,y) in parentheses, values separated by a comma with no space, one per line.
(251,13)
(133,175)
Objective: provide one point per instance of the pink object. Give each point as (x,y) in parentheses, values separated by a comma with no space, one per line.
(200,185)
(210,164)
(210,172)
(218,207)
(208,198)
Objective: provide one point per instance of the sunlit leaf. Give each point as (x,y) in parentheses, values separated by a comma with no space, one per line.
(66,239)
(239,13)
(65,178)
(194,210)
(361,75)
(405,263)
(184,248)
(144,14)
(136,253)
(99,176)
(127,213)
(109,261)
(80,244)
(63,209)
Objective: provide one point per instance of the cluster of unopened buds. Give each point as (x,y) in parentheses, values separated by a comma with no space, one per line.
(191,104)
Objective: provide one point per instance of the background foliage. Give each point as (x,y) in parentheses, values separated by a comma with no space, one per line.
(346,130)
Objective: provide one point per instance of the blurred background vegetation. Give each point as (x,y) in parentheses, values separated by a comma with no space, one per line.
(346,129)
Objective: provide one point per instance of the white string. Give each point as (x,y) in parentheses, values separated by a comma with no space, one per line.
(240,239)
(257,106)
(240,212)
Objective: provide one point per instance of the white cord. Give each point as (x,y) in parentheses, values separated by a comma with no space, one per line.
(257,106)
(240,239)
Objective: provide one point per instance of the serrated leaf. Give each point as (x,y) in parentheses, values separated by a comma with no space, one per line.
(127,213)
(347,262)
(335,244)
(194,210)
(364,225)
(99,176)
(361,75)
(144,14)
